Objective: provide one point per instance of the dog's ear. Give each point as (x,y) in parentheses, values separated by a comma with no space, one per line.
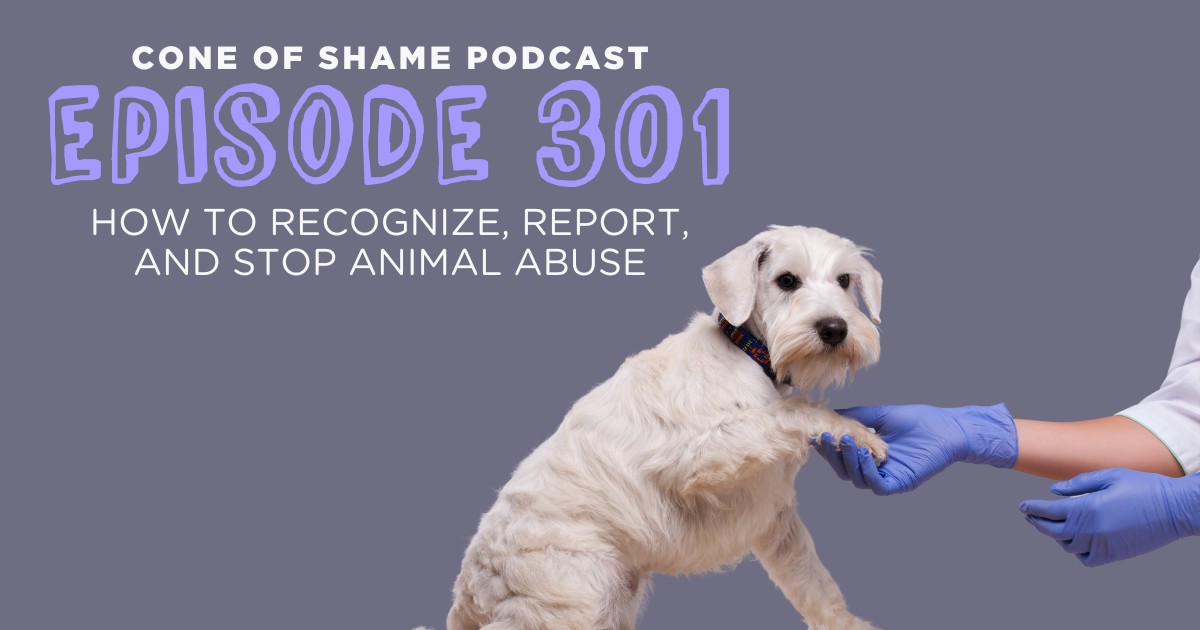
(870,287)
(732,281)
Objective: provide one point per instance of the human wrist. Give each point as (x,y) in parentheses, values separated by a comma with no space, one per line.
(1185,503)
(991,435)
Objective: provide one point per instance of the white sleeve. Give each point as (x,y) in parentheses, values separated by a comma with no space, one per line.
(1173,412)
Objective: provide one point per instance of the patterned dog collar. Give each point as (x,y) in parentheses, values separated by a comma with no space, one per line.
(747,343)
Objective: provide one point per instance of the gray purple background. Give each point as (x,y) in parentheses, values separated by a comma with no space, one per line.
(314,453)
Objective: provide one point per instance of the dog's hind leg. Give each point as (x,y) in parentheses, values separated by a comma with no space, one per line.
(786,551)
(457,620)
(556,588)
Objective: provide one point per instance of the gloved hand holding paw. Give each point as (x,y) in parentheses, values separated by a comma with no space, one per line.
(922,441)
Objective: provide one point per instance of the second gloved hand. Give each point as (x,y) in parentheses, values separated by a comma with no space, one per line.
(922,441)
(1116,514)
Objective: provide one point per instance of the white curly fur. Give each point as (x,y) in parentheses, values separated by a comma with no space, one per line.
(684,460)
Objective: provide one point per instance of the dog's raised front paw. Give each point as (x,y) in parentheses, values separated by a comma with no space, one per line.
(865,438)
(873,443)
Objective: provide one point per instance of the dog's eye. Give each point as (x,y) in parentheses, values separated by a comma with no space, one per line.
(788,282)
(844,280)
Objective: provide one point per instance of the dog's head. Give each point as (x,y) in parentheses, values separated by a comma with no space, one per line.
(794,287)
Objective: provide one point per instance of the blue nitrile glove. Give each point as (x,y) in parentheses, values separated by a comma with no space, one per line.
(1117,513)
(922,441)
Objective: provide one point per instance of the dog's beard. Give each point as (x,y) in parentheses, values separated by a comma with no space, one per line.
(810,364)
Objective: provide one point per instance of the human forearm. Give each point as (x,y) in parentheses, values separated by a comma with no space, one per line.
(1060,450)
(924,440)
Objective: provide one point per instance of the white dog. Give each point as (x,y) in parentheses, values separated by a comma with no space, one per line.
(684,460)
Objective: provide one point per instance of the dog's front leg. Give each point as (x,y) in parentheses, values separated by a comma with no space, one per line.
(747,443)
(786,551)
(737,448)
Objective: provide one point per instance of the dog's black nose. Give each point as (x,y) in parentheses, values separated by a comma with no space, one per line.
(831,330)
